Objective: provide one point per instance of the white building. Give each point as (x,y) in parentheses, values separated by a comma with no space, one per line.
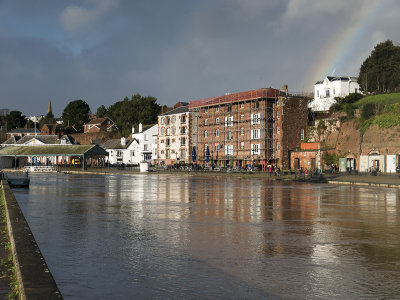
(173,136)
(145,147)
(327,90)
(139,147)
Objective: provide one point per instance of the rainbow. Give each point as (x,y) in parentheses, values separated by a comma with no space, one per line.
(343,45)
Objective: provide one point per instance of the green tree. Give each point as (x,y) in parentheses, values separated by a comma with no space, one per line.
(380,72)
(133,111)
(76,114)
(15,119)
(101,112)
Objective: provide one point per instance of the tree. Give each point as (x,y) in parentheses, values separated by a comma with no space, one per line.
(15,120)
(380,72)
(133,111)
(76,114)
(101,112)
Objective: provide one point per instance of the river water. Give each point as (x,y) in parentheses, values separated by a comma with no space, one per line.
(188,237)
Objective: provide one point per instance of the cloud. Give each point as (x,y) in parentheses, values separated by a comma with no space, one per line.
(78,19)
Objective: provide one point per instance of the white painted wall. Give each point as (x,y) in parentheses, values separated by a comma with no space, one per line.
(391,163)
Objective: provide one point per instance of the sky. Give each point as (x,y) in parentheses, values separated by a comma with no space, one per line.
(180,50)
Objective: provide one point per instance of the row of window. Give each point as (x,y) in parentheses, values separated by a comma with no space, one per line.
(255,105)
(169,141)
(255,119)
(255,133)
(255,148)
(168,153)
(168,120)
(172,130)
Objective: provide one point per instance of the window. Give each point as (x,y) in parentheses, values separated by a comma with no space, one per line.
(229,108)
(145,147)
(183,140)
(205,147)
(242,118)
(167,142)
(302,134)
(183,119)
(278,146)
(162,131)
(173,119)
(217,109)
(217,121)
(334,91)
(255,119)
(119,153)
(205,134)
(241,105)
(183,154)
(229,121)
(327,93)
(183,130)
(216,146)
(229,135)
(167,131)
(242,146)
(206,111)
(167,154)
(255,133)
(168,120)
(162,141)
(256,105)
(255,149)
(229,150)
(278,102)
(278,114)
(242,131)
(206,122)
(162,120)
(132,153)
(173,130)
(317,94)
(217,133)
(146,137)
(278,130)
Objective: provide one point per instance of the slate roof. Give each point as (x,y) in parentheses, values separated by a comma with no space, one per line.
(24,131)
(179,110)
(116,144)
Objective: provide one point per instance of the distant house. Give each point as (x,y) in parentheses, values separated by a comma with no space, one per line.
(56,129)
(100,125)
(325,91)
(119,150)
(23,132)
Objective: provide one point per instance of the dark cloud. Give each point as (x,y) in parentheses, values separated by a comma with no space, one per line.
(102,51)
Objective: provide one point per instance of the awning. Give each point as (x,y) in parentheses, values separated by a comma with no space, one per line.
(53,150)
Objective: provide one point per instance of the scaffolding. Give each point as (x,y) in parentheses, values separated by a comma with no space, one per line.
(233,129)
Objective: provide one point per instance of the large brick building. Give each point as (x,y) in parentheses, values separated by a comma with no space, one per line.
(255,127)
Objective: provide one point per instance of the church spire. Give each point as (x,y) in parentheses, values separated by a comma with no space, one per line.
(49,111)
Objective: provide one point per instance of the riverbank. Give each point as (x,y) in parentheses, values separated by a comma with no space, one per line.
(383,180)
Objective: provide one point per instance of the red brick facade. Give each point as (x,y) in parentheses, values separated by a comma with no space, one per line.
(247,128)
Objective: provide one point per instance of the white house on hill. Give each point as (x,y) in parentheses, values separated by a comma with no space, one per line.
(327,90)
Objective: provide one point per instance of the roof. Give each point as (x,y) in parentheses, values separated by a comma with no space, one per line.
(116,144)
(99,120)
(24,130)
(339,78)
(60,150)
(241,96)
(179,110)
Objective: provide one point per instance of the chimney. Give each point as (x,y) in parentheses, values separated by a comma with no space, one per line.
(133,129)
(140,127)
(123,141)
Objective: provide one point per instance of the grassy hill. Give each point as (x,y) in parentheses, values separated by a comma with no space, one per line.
(383,99)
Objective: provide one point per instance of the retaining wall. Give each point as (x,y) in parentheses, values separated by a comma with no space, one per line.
(34,277)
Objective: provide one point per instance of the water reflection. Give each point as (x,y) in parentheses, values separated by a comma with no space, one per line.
(149,236)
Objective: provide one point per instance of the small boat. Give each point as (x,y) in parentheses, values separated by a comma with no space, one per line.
(18,181)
